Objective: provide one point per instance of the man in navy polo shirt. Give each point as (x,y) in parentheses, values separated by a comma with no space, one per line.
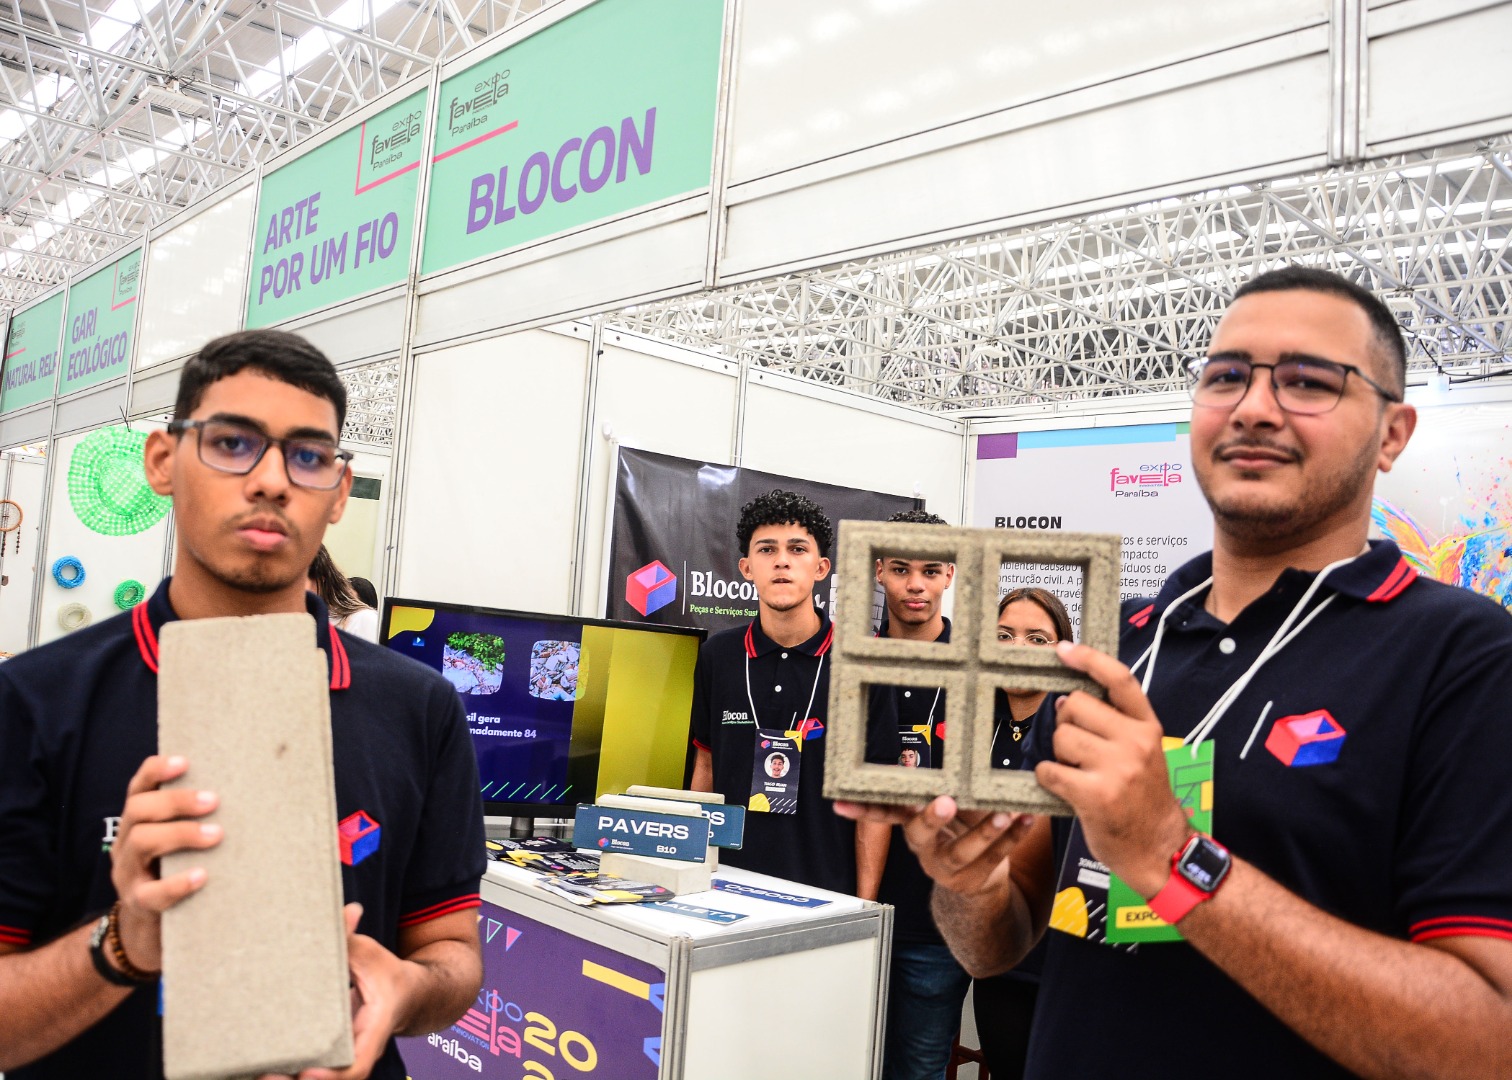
(926,983)
(252,463)
(1350,910)
(763,689)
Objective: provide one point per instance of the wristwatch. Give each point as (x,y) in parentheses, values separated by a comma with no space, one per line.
(106,936)
(1197,869)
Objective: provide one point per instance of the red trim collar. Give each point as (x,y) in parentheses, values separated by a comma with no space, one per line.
(146,637)
(147,645)
(819,650)
(1401,576)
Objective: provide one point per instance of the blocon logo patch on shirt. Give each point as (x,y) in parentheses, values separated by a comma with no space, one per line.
(1313,738)
(359,837)
(651,588)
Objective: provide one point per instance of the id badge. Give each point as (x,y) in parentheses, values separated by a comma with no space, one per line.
(914,748)
(774,772)
(1093,903)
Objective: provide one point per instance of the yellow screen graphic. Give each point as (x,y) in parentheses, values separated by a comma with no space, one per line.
(635,707)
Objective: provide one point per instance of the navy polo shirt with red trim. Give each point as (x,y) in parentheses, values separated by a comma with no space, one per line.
(814,845)
(904,884)
(78,716)
(1364,768)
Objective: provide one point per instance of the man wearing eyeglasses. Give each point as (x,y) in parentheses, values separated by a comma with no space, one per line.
(1336,857)
(252,463)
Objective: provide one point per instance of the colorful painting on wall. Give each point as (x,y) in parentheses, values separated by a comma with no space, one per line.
(1448,504)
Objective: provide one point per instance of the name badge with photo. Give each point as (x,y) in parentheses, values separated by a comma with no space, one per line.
(914,749)
(774,772)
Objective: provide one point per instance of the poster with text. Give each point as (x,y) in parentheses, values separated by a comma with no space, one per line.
(1136,481)
(609,110)
(338,222)
(551,1005)
(97,333)
(1447,502)
(673,556)
(30,370)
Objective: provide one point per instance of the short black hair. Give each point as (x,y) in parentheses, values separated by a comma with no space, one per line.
(1388,332)
(277,354)
(917,517)
(365,590)
(778,507)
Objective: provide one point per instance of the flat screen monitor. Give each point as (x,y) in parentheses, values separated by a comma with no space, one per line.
(561,710)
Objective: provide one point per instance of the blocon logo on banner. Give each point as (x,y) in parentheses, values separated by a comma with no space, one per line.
(651,588)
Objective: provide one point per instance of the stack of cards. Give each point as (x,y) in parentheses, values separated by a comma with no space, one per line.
(572,873)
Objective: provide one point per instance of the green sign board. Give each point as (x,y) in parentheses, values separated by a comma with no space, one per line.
(339,221)
(609,110)
(31,355)
(97,334)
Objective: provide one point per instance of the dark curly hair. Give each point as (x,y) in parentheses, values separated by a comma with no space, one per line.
(918,517)
(778,507)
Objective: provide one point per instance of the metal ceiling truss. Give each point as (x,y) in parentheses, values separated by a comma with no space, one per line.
(115,114)
(372,403)
(1119,302)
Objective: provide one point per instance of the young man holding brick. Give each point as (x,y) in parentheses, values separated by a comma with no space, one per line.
(256,474)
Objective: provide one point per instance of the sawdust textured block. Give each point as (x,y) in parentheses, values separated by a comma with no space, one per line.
(255,964)
(681,877)
(969,668)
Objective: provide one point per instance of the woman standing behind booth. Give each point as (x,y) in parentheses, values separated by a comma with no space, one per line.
(1004,1004)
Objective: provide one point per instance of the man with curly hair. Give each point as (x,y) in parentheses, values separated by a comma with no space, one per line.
(766,687)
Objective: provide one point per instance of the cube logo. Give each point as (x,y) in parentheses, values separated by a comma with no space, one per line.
(650,588)
(1313,738)
(359,835)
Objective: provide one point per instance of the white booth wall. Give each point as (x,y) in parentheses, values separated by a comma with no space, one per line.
(192,291)
(649,396)
(508,469)
(22,480)
(490,483)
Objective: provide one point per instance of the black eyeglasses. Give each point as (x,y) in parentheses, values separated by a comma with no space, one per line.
(1303,385)
(236,448)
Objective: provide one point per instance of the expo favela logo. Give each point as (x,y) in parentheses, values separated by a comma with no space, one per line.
(650,588)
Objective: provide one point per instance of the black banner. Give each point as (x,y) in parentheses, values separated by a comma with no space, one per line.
(673,555)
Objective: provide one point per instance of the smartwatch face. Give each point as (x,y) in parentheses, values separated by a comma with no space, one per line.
(1204,864)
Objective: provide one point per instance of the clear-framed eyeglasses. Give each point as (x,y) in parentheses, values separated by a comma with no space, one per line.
(234,448)
(1306,386)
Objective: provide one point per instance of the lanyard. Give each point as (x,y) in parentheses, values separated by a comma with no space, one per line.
(812,693)
(929,720)
(1288,629)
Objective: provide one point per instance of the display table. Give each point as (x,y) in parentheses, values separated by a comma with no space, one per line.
(757,978)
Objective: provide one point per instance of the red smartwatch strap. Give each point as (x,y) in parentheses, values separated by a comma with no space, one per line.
(1176,898)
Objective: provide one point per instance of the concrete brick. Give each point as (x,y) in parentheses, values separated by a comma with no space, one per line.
(969,668)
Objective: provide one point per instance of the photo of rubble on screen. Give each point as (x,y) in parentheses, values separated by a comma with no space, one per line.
(968,672)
